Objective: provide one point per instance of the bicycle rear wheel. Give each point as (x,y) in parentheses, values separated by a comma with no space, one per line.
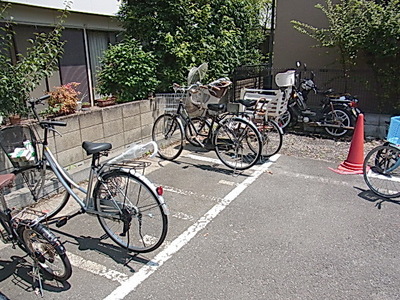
(168,134)
(272,137)
(382,172)
(130,211)
(49,194)
(197,130)
(238,143)
(46,248)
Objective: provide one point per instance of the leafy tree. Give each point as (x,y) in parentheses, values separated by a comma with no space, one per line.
(366,29)
(18,79)
(182,34)
(127,72)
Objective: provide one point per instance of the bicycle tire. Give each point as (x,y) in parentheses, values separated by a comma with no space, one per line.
(124,201)
(338,117)
(272,137)
(42,245)
(197,131)
(168,133)
(238,143)
(51,197)
(381,174)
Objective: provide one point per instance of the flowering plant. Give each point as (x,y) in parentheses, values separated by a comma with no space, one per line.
(63,99)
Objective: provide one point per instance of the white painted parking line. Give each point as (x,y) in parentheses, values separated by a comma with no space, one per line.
(203,158)
(190,193)
(135,280)
(96,268)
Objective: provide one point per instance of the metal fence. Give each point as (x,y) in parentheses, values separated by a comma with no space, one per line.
(359,83)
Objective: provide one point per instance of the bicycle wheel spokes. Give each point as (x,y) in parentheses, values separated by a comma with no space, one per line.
(272,138)
(135,219)
(382,172)
(168,134)
(48,192)
(238,144)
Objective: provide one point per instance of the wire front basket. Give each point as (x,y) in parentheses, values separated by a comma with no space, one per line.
(169,103)
(19,144)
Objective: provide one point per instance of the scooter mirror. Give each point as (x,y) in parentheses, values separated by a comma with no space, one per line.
(298,64)
(305,67)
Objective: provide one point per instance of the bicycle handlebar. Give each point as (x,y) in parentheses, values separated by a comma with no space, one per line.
(52,123)
(38,100)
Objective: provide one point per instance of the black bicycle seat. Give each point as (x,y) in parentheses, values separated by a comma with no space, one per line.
(93,148)
(246,102)
(216,107)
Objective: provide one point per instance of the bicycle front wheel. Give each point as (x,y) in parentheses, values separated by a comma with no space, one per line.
(272,137)
(382,172)
(49,194)
(44,246)
(168,134)
(130,211)
(238,143)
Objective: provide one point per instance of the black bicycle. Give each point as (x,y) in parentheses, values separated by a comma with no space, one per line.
(24,229)
(236,141)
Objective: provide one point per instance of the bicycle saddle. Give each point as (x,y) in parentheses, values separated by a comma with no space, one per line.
(93,148)
(246,102)
(216,107)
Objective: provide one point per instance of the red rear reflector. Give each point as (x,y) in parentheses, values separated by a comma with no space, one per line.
(160,190)
(353,104)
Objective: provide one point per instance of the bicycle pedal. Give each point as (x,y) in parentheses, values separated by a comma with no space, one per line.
(4,237)
(61,222)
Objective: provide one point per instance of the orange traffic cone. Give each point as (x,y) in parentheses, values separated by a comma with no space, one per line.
(355,159)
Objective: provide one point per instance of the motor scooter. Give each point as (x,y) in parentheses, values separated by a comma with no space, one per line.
(337,113)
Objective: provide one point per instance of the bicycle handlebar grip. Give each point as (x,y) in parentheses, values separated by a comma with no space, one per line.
(39,100)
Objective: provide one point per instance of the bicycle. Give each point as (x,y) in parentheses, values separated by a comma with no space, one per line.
(271,132)
(381,165)
(129,208)
(236,141)
(24,229)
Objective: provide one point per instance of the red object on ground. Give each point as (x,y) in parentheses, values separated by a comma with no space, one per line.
(355,159)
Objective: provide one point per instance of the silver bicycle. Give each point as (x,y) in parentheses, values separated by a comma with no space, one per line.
(130,209)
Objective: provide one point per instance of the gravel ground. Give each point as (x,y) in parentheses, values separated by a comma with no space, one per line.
(319,147)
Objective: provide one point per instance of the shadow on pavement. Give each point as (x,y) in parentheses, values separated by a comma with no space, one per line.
(372,197)
(21,272)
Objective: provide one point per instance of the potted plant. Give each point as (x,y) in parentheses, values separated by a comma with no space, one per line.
(63,100)
(106,101)
(85,105)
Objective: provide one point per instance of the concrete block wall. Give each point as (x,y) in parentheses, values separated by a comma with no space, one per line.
(119,125)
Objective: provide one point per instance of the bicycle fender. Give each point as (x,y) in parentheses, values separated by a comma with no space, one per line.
(54,241)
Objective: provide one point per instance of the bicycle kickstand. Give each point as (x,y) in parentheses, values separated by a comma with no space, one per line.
(37,279)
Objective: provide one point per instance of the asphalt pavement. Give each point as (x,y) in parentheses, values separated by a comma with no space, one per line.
(289,228)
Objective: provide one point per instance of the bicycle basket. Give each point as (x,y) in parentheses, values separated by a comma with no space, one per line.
(394,131)
(169,101)
(19,144)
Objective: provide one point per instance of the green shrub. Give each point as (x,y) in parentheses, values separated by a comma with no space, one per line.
(127,72)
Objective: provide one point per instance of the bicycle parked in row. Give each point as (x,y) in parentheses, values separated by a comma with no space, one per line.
(265,107)
(236,141)
(381,165)
(130,209)
(23,228)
